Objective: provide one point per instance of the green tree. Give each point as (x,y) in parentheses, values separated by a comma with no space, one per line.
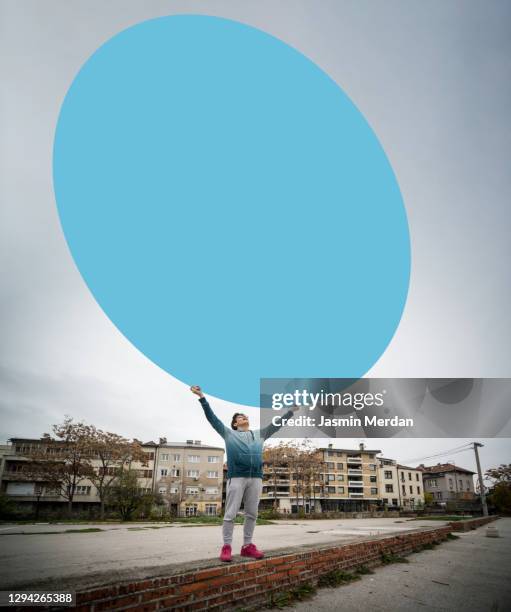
(125,495)
(499,494)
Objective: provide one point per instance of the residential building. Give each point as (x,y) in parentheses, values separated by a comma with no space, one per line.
(346,481)
(411,487)
(388,483)
(448,483)
(31,492)
(189,477)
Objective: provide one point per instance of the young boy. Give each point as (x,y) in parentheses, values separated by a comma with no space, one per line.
(244,474)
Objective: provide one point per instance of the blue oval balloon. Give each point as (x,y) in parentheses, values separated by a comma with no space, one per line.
(229,207)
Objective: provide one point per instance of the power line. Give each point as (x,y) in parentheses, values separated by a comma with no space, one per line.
(452,451)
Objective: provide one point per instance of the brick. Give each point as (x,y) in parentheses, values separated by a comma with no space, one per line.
(96,594)
(158,593)
(117,603)
(210,573)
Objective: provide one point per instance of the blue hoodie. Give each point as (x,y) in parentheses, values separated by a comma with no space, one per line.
(244,448)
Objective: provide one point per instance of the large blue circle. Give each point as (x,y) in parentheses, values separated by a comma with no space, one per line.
(229,207)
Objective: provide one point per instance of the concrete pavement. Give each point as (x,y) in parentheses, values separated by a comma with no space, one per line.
(29,558)
(470,573)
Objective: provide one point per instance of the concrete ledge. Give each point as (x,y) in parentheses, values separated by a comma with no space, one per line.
(248,584)
(471,523)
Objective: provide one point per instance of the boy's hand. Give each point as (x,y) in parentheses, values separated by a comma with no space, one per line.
(197,390)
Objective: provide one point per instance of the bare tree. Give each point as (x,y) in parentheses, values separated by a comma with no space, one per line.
(113,452)
(64,462)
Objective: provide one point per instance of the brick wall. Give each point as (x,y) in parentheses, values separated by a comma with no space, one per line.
(472,523)
(248,584)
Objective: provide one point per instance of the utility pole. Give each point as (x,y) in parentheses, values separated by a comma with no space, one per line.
(481,483)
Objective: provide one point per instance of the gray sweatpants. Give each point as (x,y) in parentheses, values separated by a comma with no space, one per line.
(248,491)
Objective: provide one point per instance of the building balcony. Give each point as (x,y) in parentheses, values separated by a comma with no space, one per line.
(356,495)
(355,472)
(354,460)
(278,494)
(356,483)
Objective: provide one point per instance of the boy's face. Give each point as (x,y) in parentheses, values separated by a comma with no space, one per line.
(241,422)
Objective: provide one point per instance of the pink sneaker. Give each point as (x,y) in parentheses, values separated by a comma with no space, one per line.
(226,553)
(251,550)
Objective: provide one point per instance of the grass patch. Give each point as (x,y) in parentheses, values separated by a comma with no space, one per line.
(287,598)
(337,578)
(216,520)
(435,517)
(388,558)
(87,530)
(361,570)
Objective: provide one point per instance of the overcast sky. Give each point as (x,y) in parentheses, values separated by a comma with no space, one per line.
(433,80)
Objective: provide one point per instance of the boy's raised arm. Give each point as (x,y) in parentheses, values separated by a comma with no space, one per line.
(216,423)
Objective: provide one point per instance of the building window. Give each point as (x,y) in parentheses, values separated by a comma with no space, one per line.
(418,490)
(433,483)
(388,474)
(176,457)
(212,490)
(439,495)
(340,466)
(461,484)
(213,459)
(330,477)
(411,490)
(163,472)
(394,502)
(389,488)
(374,491)
(174,473)
(193,459)
(372,467)
(192,490)
(403,488)
(164,456)
(82,490)
(409,475)
(211,509)
(330,453)
(340,489)
(402,476)
(192,473)
(331,489)
(416,476)
(372,478)
(468,485)
(212,474)
(162,490)
(451,485)
(340,477)
(191,509)
(173,490)
(330,465)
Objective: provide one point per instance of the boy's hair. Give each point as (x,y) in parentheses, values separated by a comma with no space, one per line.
(234,417)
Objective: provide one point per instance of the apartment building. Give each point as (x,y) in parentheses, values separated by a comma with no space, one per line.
(447,482)
(189,477)
(411,487)
(389,483)
(28,491)
(347,481)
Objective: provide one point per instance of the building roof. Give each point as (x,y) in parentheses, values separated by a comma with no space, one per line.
(183,445)
(349,450)
(406,467)
(442,468)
